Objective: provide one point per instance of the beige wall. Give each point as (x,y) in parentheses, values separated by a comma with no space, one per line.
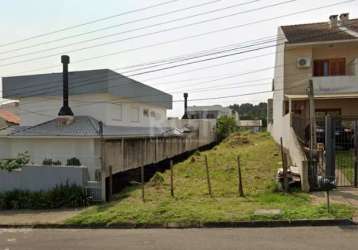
(348,107)
(296,80)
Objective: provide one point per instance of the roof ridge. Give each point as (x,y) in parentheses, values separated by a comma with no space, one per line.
(310,23)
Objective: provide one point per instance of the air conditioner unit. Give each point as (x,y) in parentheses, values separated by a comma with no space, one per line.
(303,62)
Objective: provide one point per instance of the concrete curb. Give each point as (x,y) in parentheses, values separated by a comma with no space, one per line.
(240,224)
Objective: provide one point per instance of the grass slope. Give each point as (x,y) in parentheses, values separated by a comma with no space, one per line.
(260,159)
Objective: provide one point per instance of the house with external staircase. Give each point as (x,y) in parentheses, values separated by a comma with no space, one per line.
(325,54)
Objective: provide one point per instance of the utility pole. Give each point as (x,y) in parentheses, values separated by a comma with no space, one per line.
(313,135)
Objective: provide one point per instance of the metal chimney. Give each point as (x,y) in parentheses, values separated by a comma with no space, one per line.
(65,110)
(185,116)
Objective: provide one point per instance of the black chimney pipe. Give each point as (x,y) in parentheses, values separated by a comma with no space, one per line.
(65,110)
(185,116)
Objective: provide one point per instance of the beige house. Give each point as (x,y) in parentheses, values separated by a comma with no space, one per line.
(324,52)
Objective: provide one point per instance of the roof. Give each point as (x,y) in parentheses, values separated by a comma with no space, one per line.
(86,126)
(318,32)
(84,82)
(208,108)
(9,117)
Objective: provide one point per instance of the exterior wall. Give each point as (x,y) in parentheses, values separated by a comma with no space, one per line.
(47,177)
(277,113)
(3,123)
(56,149)
(126,154)
(296,80)
(104,107)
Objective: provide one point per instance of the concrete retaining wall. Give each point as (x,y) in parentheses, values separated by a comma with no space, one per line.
(42,178)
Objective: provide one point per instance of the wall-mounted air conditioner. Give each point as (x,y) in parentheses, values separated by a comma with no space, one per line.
(303,62)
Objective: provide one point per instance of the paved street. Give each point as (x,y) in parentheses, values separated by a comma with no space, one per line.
(247,238)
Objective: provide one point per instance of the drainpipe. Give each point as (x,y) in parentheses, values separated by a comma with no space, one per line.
(185,116)
(65,110)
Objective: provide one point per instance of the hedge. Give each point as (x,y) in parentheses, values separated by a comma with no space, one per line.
(63,196)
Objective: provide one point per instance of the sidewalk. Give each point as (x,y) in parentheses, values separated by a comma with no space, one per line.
(346,195)
(30,217)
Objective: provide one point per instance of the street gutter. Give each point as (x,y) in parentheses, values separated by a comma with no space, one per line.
(239,224)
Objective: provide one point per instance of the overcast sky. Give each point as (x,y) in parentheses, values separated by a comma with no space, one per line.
(23,18)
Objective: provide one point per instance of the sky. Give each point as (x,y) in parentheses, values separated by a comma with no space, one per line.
(21,19)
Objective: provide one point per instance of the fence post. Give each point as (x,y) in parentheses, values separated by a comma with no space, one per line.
(330,143)
(142,170)
(171,179)
(208,175)
(110,183)
(240,189)
(356,153)
(284,168)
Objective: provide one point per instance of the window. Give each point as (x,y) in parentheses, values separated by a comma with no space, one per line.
(134,114)
(146,113)
(329,67)
(116,111)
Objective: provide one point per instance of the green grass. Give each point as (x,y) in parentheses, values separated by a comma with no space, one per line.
(345,163)
(260,160)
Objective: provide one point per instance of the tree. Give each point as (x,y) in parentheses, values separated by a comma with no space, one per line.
(248,111)
(225,126)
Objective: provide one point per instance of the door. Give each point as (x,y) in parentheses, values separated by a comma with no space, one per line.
(329,67)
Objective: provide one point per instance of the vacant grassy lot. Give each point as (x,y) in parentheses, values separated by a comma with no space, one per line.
(260,159)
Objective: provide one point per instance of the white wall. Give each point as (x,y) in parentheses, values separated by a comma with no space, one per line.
(55,149)
(278,95)
(104,107)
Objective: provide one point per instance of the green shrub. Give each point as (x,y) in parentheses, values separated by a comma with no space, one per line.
(50,162)
(63,196)
(73,162)
(225,126)
(11,164)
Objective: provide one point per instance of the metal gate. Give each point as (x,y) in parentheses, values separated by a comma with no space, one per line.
(341,144)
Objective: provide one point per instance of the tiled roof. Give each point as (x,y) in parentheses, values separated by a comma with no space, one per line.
(318,32)
(86,126)
(9,117)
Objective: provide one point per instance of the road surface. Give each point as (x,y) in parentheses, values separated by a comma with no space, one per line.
(172,239)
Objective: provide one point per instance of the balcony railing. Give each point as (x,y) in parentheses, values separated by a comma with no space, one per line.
(328,85)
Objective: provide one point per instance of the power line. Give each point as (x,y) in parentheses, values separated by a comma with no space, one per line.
(212,32)
(125,23)
(88,23)
(118,77)
(134,37)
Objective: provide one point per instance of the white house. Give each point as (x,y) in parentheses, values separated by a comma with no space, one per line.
(125,107)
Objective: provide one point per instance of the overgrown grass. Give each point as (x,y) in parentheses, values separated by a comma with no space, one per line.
(260,160)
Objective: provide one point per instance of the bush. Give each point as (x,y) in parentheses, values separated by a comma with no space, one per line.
(50,162)
(11,164)
(225,126)
(73,162)
(63,196)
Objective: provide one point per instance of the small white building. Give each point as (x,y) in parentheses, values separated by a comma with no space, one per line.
(210,112)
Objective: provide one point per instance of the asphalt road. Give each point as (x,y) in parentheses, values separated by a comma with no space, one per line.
(306,238)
